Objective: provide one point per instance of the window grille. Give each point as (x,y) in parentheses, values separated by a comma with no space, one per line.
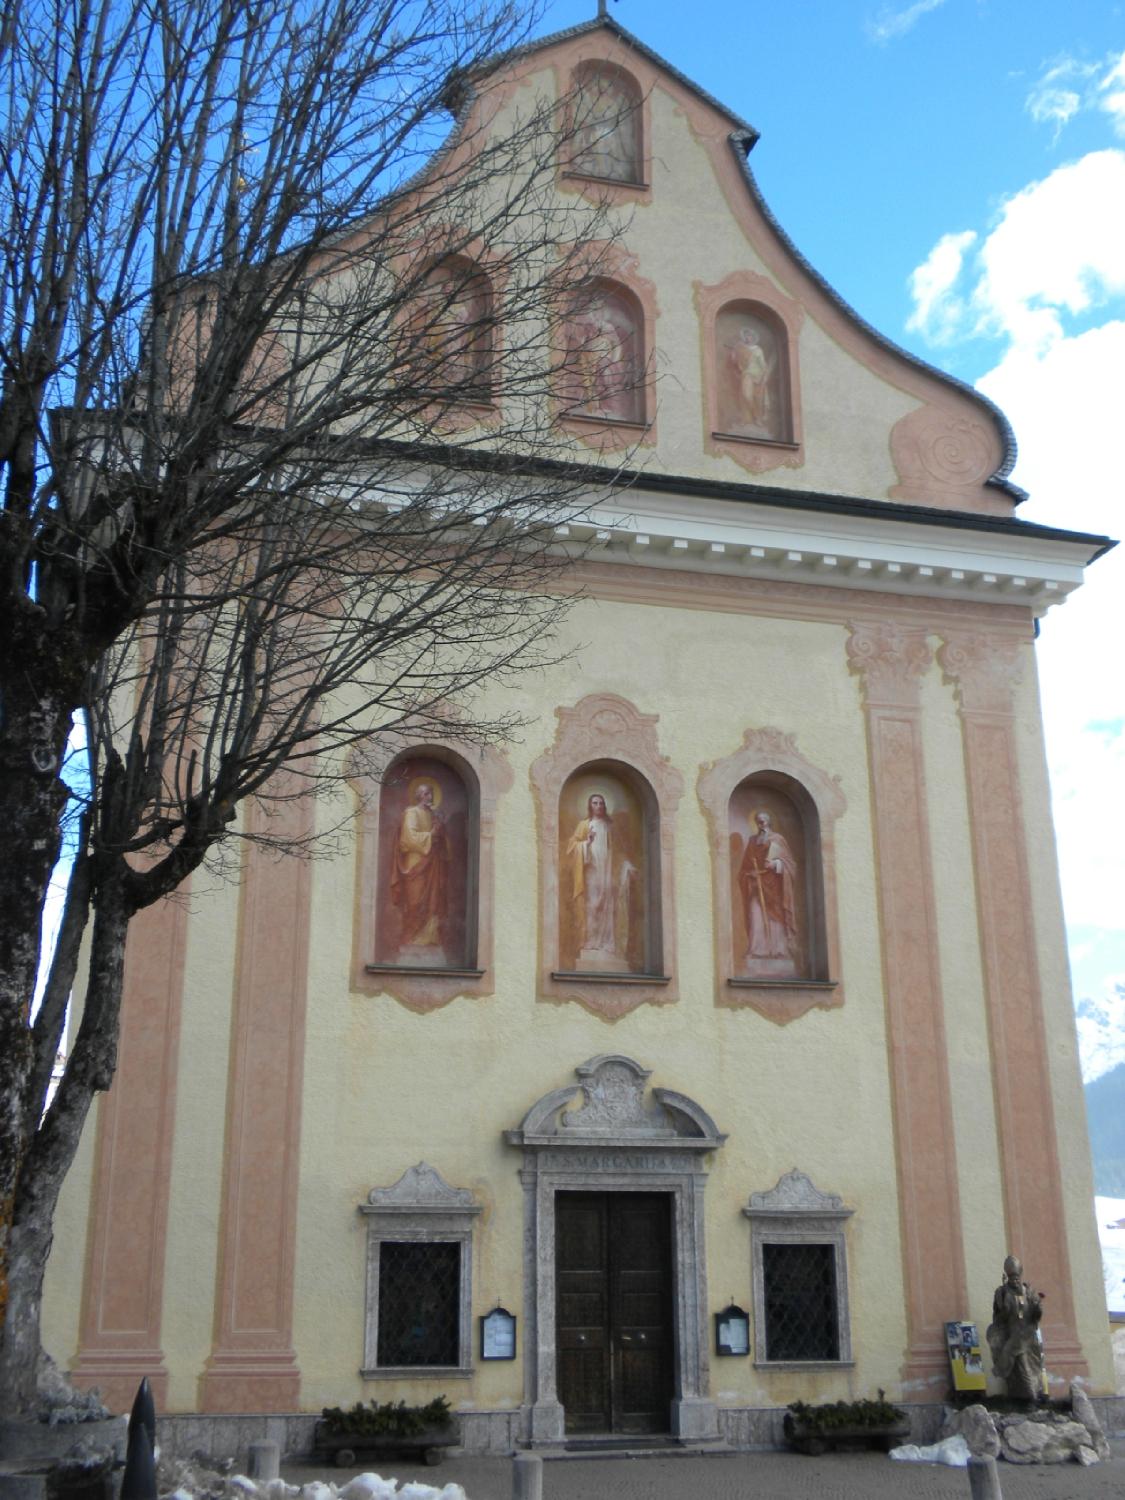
(419,1303)
(802,1321)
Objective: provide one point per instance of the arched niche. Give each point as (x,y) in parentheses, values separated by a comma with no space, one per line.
(426,892)
(604,356)
(771,816)
(752,386)
(750,340)
(777,887)
(604,742)
(606,124)
(393,953)
(454,331)
(609,872)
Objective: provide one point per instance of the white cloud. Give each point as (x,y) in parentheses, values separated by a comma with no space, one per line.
(1058,248)
(1112,95)
(891,23)
(1066,86)
(1048,280)
(1056,251)
(939,313)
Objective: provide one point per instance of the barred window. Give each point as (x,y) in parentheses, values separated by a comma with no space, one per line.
(802,1321)
(419,1291)
(417,1316)
(799,1271)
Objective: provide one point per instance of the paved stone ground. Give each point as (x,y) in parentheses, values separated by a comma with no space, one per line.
(753,1476)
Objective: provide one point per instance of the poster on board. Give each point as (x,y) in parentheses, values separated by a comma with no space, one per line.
(965,1358)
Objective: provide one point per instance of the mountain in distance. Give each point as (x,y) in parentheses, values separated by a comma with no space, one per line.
(1105,1114)
(1101,1031)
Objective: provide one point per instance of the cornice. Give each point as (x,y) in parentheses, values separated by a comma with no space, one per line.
(902,552)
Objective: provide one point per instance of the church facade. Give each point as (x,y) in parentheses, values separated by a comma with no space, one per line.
(709,1047)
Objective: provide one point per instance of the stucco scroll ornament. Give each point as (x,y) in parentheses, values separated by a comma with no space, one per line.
(890,658)
(983,669)
(941,458)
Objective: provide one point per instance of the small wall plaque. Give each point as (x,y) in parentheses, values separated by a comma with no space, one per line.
(732,1331)
(498,1334)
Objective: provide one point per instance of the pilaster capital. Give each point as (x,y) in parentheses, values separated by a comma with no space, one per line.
(891,658)
(982,669)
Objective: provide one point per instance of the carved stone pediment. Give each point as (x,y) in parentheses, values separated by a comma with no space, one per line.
(615,1109)
(794,1193)
(421,1189)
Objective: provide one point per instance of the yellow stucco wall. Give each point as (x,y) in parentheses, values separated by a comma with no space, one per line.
(384,1087)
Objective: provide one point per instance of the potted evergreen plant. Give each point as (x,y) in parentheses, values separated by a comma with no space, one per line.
(816,1429)
(389,1427)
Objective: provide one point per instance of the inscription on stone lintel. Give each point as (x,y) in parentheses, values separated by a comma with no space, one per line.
(620,1161)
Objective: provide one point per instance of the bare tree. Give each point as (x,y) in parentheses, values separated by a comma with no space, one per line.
(279,464)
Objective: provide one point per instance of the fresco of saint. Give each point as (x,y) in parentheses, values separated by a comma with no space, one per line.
(603,360)
(607,129)
(749,377)
(421,913)
(602,892)
(769,899)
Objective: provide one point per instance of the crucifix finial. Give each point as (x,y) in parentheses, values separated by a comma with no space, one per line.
(603,9)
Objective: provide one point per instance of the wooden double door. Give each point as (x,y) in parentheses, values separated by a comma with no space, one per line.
(613,1278)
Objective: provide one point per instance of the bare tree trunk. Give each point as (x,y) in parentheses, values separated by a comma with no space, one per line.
(32,798)
(42,1171)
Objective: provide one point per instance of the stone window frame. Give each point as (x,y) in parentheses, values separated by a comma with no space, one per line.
(786,316)
(420,1208)
(795,1212)
(614,190)
(622,1137)
(488,776)
(605,729)
(766,751)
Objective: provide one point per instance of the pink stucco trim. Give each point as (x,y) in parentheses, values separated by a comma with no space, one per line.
(253,1366)
(891,659)
(120,1331)
(983,668)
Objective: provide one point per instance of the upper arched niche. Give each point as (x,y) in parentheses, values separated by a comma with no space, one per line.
(606,124)
(453,330)
(753,398)
(603,374)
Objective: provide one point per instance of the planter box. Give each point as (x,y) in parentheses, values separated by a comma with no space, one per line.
(816,1440)
(344,1448)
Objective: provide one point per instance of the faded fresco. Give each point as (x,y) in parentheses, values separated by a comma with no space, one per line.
(422,912)
(607,127)
(768,896)
(752,400)
(605,359)
(454,329)
(602,886)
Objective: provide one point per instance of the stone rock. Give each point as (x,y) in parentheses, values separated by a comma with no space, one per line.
(60,1403)
(975,1425)
(1084,1412)
(1025,1440)
(1086,1457)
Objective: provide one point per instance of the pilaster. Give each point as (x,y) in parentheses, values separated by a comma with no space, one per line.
(891,659)
(253,1366)
(983,670)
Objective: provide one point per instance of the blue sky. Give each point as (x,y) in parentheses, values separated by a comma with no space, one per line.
(956,170)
